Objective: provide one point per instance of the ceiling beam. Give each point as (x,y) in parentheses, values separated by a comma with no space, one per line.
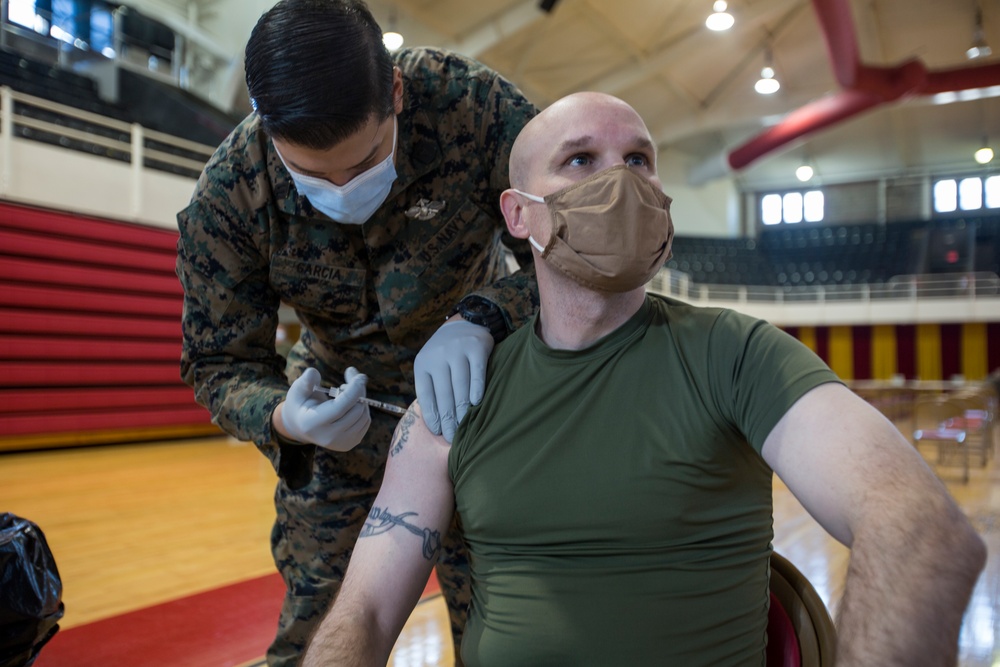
(864,87)
(500,27)
(638,57)
(628,75)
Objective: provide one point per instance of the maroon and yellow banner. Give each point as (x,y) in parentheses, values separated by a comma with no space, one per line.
(928,352)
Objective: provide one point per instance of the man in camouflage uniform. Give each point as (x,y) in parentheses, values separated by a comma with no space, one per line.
(369,295)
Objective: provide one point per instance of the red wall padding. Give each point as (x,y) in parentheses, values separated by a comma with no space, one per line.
(39,271)
(17,320)
(90,327)
(19,401)
(39,221)
(101,420)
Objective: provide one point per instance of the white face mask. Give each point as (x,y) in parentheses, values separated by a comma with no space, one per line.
(358,199)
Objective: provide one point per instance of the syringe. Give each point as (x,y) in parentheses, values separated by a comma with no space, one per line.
(379,405)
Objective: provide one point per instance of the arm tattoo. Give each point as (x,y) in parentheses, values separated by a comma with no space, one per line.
(381,521)
(402,433)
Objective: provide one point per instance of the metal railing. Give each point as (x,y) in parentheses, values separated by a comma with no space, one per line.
(38,119)
(967,286)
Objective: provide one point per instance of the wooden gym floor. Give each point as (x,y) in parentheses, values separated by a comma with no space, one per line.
(145,526)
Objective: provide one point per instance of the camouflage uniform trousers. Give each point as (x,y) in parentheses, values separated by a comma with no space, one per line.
(314,535)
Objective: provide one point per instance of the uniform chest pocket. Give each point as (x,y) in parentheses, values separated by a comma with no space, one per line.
(458,252)
(318,288)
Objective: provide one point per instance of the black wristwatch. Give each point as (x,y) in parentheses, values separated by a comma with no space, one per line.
(485,313)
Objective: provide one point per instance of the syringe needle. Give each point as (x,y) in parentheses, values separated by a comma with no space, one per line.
(378,405)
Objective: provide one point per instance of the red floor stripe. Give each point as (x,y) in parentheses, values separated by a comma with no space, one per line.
(224,627)
(432,587)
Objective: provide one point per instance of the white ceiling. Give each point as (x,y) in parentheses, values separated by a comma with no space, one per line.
(694,87)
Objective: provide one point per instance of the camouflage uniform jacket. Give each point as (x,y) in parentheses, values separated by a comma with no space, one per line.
(367,295)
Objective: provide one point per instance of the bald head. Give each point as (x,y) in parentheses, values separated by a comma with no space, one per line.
(575,121)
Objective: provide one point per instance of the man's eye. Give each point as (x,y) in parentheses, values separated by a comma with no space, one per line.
(580,160)
(637,161)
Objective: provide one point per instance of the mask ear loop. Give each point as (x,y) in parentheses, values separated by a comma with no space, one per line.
(395,135)
(536,198)
(541,200)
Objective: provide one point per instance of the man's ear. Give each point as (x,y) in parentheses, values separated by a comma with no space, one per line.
(512,209)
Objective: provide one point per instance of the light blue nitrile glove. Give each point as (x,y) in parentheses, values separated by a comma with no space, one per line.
(450,374)
(311,416)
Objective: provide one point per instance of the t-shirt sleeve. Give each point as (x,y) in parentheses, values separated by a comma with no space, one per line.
(758,372)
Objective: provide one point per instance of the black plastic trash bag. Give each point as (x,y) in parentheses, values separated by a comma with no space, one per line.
(30,592)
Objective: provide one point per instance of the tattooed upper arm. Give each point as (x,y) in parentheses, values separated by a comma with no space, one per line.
(380,520)
(411,430)
(399,544)
(402,433)
(416,495)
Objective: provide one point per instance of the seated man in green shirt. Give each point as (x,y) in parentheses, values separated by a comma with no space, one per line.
(614,485)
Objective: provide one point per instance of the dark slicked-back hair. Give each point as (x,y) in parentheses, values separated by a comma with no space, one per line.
(317,71)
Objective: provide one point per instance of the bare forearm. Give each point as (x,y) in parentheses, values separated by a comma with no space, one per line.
(908,585)
(346,638)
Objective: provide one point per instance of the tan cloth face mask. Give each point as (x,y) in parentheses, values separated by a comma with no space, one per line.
(610,232)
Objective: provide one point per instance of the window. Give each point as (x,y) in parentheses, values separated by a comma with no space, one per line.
(83,23)
(813,205)
(993,192)
(791,207)
(968,194)
(102,30)
(22,12)
(945,196)
(770,209)
(64,25)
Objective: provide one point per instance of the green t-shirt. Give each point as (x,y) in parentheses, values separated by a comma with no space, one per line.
(614,500)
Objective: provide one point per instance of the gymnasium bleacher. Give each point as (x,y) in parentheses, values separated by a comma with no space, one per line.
(51,82)
(37,72)
(91,307)
(835,255)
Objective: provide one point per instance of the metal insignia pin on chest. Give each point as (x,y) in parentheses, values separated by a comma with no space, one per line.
(425,209)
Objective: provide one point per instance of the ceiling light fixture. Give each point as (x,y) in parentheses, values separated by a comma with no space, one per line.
(767,84)
(391,38)
(804,173)
(984,155)
(979,48)
(719,19)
